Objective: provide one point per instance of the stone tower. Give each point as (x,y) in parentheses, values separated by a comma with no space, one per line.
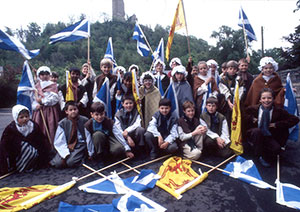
(118,12)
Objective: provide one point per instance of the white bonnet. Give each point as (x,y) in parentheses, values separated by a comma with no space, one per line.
(161,62)
(121,68)
(175,59)
(145,74)
(212,62)
(179,69)
(43,68)
(267,60)
(16,110)
(133,66)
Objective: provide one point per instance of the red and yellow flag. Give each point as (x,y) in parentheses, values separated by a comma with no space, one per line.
(236,124)
(135,91)
(69,91)
(178,23)
(20,198)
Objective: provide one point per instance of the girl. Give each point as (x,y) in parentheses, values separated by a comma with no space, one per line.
(160,75)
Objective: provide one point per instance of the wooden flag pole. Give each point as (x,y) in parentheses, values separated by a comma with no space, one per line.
(135,170)
(186,28)
(6,175)
(220,164)
(245,37)
(278,171)
(88,53)
(145,38)
(209,166)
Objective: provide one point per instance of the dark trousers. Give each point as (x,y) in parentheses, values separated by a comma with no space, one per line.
(265,146)
(210,146)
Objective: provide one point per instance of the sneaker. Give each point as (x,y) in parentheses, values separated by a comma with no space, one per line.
(263,162)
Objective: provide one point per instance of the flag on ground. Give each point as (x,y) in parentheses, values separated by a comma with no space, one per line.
(21,198)
(236,122)
(177,176)
(178,23)
(159,51)
(288,195)
(110,52)
(103,96)
(139,36)
(245,24)
(26,88)
(65,207)
(171,95)
(69,84)
(135,92)
(8,42)
(77,31)
(290,105)
(246,171)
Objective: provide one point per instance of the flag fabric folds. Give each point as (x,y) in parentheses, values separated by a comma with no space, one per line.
(77,31)
(69,92)
(159,51)
(8,42)
(177,176)
(110,52)
(119,97)
(246,171)
(171,95)
(103,96)
(159,85)
(26,88)
(288,195)
(290,105)
(65,207)
(20,198)
(135,92)
(139,36)
(178,23)
(245,24)
(236,124)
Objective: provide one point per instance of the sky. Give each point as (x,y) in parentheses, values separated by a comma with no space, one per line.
(202,16)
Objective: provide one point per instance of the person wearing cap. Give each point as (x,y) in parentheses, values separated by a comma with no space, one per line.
(192,70)
(150,96)
(121,70)
(46,103)
(182,87)
(160,75)
(268,78)
(213,70)
(173,63)
(23,146)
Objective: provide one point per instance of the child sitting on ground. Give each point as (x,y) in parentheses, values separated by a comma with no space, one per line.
(190,132)
(162,130)
(71,141)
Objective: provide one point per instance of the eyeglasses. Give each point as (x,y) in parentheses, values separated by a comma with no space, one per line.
(148,80)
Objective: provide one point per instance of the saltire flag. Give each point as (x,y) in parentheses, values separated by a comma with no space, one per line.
(236,123)
(26,88)
(140,38)
(245,24)
(119,97)
(288,195)
(77,31)
(110,52)
(205,97)
(21,198)
(103,96)
(135,92)
(171,95)
(8,42)
(178,23)
(159,51)
(159,85)
(246,171)
(177,176)
(65,207)
(69,91)
(290,105)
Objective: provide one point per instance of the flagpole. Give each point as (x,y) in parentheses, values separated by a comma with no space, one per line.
(145,38)
(186,28)
(88,53)
(278,172)
(245,37)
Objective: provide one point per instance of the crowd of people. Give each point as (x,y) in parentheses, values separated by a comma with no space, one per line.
(66,133)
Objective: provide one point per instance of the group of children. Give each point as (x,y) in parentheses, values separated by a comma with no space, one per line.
(205,100)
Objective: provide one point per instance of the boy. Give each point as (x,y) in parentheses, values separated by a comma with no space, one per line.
(100,129)
(71,141)
(162,130)
(190,132)
(127,127)
(217,136)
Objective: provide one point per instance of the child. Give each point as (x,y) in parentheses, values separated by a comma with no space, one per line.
(173,63)
(213,70)
(127,127)
(100,129)
(164,79)
(246,77)
(46,103)
(54,77)
(224,69)
(190,132)
(192,71)
(268,127)
(87,79)
(182,87)
(162,130)
(268,78)
(217,138)
(23,146)
(71,140)
(150,96)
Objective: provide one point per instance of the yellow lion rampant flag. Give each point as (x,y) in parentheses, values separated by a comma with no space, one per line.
(178,23)
(69,92)
(135,92)
(20,198)
(236,124)
(177,176)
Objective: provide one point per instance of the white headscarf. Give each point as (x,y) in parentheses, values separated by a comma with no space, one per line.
(147,73)
(134,66)
(161,62)
(267,60)
(121,68)
(43,68)
(179,69)
(27,128)
(175,59)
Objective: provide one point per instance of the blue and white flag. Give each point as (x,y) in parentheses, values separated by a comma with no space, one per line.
(103,96)
(77,31)
(171,95)
(246,171)
(244,23)
(288,195)
(119,97)
(26,88)
(65,207)
(290,105)
(159,85)
(8,42)
(139,36)
(159,51)
(110,52)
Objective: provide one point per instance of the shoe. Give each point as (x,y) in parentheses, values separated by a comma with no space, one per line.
(263,162)
(153,156)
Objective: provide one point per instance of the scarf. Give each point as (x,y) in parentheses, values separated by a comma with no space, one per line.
(214,122)
(73,138)
(97,126)
(265,121)
(74,89)
(163,128)
(192,124)
(25,129)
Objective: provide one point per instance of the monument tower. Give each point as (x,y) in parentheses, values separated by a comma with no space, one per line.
(118,12)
